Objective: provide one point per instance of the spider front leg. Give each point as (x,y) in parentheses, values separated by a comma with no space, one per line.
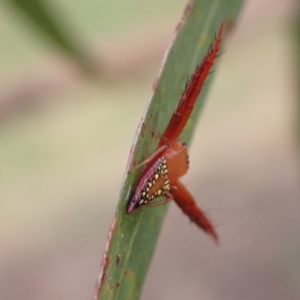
(150,158)
(192,90)
(156,133)
(161,148)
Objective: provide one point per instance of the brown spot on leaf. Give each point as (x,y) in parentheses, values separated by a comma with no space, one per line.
(117,259)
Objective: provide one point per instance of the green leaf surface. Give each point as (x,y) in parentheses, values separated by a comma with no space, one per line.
(132,238)
(50,24)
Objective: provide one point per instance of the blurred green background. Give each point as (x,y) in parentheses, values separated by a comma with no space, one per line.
(64,143)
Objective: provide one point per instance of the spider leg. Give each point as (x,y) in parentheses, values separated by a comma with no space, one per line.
(157,203)
(150,158)
(192,91)
(188,205)
(156,133)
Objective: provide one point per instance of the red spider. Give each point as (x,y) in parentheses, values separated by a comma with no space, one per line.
(170,161)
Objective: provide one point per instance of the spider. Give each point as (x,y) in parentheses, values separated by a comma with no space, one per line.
(170,160)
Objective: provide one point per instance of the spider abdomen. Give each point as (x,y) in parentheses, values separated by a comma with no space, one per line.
(154,182)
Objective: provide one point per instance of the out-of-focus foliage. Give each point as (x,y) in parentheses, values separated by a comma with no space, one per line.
(44,16)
